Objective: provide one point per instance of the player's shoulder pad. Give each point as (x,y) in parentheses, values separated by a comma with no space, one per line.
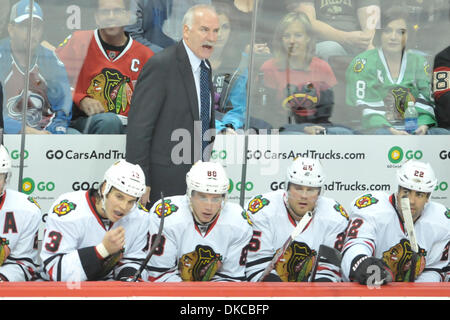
(366,200)
(257,203)
(28,202)
(63,207)
(340,209)
(32,200)
(231,210)
(142,208)
(171,206)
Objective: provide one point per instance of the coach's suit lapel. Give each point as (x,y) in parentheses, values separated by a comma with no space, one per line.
(188,79)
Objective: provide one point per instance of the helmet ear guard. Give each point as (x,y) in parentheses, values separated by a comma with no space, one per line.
(417,176)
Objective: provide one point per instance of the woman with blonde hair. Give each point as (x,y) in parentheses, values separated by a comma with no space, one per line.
(302,83)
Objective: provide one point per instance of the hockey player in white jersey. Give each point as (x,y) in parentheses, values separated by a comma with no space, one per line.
(275,215)
(98,234)
(20,217)
(205,237)
(377,248)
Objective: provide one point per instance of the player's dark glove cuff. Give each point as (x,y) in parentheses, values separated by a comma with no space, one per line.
(363,267)
(272,278)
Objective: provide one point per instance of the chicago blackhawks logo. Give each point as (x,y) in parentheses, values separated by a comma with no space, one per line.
(140,206)
(64,207)
(426,68)
(359,65)
(296,263)
(32,200)
(168,208)
(257,204)
(339,208)
(112,89)
(401,98)
(200,264)
(4,250)
(365,201)
(246,216)
(399,260)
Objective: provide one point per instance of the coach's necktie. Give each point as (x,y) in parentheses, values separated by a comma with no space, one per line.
(205,96)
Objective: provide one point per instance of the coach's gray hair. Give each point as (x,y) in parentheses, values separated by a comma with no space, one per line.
(188,18)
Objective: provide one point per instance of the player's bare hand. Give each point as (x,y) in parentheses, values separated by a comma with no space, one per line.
(91,106)
(114,240)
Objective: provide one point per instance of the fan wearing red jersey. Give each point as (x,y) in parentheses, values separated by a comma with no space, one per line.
(103,66)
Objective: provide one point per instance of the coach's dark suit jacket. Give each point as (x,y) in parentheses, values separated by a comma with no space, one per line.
(163,101)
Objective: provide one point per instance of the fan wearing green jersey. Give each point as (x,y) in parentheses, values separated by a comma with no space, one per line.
(381,81)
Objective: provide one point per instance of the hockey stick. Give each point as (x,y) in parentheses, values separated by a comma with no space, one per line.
(156,243)
(409,226)
(326,254)
(298,229)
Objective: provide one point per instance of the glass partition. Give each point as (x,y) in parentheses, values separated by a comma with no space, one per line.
(287,67)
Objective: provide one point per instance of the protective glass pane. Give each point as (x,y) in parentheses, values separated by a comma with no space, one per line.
(345,68)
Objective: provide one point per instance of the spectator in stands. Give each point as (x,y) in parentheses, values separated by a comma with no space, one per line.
(173,25)
(381,81)
(441,87)
(4,17)
(48,107)
(150,17)
(224,62)
(343,28)
(300,83)
(103,66)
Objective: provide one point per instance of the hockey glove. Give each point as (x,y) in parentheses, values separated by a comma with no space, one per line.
(402,260)
(4,250)
(363,267)
(200,264)
(296,263)
(110,262)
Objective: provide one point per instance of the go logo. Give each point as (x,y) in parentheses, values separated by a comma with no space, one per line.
(443,186)
(15,154)
(222,154)
(76,186)
(248,186)
(28,186)
(396,154)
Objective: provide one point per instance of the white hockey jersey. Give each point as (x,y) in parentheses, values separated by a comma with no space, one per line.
(376,229)
(272,225)
(227,237)
(20,217)
(73,229)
